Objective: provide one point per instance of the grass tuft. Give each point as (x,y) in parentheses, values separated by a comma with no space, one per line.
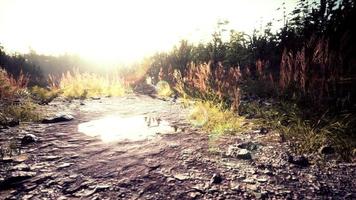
(215,119)
(84,85)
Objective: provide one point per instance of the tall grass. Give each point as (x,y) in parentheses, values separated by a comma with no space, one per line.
(315,75)
(218,85)
(11,86)
(215,119)
(15,101)
(82,85)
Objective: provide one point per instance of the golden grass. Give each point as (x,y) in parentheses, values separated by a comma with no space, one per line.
(216,120)
(44,95)
(83,85)
(163,89)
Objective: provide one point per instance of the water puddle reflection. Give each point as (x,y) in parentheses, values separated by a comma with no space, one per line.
(118,128)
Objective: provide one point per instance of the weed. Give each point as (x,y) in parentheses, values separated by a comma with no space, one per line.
(9,85)
(163,89)
(43,95)
(24,111)
(307,134)
(83,85)
(215,119)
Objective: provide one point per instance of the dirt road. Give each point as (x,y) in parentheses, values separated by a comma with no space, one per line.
(136,147)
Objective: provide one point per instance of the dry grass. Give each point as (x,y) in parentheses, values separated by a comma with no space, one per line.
(163,89)
(82,85)
(202,82)
(26,111)
(313,73)
(11,86)
(44,95)
(215,119)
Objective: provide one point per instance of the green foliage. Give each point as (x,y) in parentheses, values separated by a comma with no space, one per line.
(25,111)
(309,134)
(17,65)
(215,119)
(44,95)
(163,89)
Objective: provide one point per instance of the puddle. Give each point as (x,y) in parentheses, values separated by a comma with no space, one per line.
(118,128)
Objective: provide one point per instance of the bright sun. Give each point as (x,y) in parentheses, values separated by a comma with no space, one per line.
(122,31)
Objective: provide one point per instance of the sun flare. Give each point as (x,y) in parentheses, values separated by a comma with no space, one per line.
(124,31)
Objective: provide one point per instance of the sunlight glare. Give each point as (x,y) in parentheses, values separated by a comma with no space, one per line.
(117,128)
(122,31)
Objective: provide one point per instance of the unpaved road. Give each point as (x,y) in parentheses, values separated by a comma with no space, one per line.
(67,164)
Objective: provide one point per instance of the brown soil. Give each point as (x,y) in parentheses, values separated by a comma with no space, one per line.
(178,165)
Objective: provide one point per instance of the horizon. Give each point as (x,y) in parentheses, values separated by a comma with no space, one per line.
(142,30)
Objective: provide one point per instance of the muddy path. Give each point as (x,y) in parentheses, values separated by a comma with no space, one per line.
(169,159)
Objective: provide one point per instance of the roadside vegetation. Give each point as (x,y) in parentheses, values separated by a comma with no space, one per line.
(84,85)
(299,80)
(15,103)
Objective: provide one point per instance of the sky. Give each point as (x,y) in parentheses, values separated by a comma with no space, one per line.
(123,30)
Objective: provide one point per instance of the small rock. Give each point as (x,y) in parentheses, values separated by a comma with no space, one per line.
(326,149)
(216,179)
(169,179)
(64,165)
(51,158)
(235,186)
(95,98)
(268,172)
(249,181)
(232,150)
(248,145)
(58,118)
(262,180)
(102,187)
(298,160)
(85,193)
(252,187)
(235,151)
(181,177)
(28,138)
(194,195)
(261,195)
(244,154)
(21,167)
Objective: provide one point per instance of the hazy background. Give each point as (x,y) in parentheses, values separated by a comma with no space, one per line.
(107,32)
